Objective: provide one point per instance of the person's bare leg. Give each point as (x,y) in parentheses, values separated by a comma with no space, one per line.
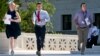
(12,45)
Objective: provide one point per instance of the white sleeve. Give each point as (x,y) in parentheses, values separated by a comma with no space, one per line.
(34,18)
(47,17)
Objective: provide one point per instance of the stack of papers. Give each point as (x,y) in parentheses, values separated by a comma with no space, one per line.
(7,19)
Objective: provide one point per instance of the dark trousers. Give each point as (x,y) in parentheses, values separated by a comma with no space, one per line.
(91,41)
(40,36)
(94,40)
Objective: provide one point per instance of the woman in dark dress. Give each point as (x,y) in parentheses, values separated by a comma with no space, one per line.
(13,30)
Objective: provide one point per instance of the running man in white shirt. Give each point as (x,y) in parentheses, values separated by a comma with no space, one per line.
(40,17)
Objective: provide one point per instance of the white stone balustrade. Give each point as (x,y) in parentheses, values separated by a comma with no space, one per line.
(57,42)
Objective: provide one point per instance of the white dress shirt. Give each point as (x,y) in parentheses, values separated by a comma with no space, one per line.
(44,17)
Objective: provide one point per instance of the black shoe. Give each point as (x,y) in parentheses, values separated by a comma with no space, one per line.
(38,53)
(79,49)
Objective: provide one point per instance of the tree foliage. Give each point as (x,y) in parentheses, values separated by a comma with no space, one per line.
(3,9)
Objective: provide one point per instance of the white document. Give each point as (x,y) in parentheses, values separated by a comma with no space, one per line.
(87,21)
(7,19)
(83,22)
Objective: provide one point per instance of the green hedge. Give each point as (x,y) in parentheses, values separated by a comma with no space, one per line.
(3,9)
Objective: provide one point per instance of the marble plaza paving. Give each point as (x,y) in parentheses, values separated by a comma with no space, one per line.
(49,53)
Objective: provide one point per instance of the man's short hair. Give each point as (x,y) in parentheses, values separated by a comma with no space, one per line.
(82,4)
(38,3)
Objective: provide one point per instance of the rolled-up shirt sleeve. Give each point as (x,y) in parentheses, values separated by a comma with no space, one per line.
(47,17)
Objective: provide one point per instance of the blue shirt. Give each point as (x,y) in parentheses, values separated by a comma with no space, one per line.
(80,17)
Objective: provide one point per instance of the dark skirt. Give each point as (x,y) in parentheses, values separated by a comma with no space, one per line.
(13,30)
